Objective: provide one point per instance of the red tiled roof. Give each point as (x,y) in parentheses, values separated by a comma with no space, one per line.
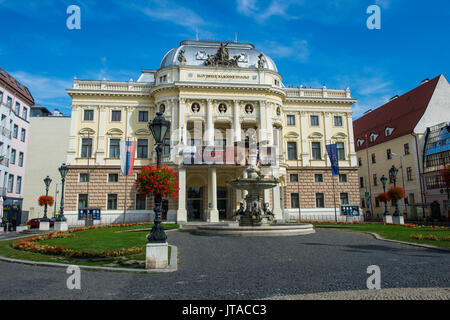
(16,86)
(402,114)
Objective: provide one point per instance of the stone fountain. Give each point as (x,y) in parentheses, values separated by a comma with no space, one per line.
(252,214)
(254,220)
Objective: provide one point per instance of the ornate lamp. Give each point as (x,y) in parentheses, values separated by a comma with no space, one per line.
(393,173)
(63,171)
(158,127)
(47,182)
(383,180)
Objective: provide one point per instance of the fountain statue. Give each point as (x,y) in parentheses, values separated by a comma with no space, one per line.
(252,214)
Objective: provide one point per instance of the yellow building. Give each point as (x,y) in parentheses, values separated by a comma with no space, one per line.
(214,95)
(394,134)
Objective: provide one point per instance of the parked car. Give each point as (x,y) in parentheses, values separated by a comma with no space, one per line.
(34,223)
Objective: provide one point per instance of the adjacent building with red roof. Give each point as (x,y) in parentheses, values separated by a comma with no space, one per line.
(394,134)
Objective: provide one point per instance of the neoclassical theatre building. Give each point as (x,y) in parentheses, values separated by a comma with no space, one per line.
(215,95)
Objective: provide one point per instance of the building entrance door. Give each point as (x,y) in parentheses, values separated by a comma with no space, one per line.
(194,203)
(222,202)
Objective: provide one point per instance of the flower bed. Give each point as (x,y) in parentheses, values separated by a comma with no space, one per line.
(32,244)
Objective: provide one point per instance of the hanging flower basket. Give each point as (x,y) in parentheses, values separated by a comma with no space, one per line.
(151,180)
(396,193)
(383,197)
(445,173)
(46,200)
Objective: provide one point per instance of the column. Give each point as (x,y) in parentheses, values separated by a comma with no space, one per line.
(304,139)
(181,212)
(182,122)
(277,212)
(100,154)
(209,124)
(213,213)
(269,124)
(327,126)
(262,121)
(174,124)
(72,152)
(351,142)
(236,122)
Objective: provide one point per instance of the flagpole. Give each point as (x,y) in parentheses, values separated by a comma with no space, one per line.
(125,204)
(334,196)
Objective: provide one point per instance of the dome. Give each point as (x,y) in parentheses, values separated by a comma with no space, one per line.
(196,54)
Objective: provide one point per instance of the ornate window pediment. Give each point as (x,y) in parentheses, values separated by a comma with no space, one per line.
(373,137)
(388,131)
(114,132)
(315,135)
(86,131)
(142,132)
(339,135)
(291,135)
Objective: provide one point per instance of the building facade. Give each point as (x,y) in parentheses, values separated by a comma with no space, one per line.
(15,100)
(42,137)
(220,97)
(394,134)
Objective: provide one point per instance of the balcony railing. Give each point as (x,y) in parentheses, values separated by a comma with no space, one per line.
(317,93)
(4,162)
(5,132)
(111,85)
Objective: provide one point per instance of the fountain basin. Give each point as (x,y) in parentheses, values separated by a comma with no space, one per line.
(273,230)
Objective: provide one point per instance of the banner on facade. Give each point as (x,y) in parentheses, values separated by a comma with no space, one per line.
(127,155)
(225,155)
(332,153)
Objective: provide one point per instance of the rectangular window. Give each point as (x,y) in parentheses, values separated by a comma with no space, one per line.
(361,182)
(116,115)
(293,178)
(337,121)
(20,159)
(166,147)
(17,109)
(295,203)
(314,121)
(316,154)
(375,179)
(406,148)
(1,97)
(13,156)
(140,202)
(340,150)
(374,158)
(88,115)
(22,135)
(359,162)
(320,200)
(344,199)
(113,177)
(377,203)
(290,120)
(114,148)
(18,185)
(342,178)
(292,150)
(25,113)
(112,202)
(389,154)
(10,183)
(318,177)
(84,177)
(143,116)
(86,148)
(15,131)
(142,149)
(82,201)
(9,102)
(409,174)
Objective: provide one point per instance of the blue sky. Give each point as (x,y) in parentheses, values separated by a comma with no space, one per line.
(313,42)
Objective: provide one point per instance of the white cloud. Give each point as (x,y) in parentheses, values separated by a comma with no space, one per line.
(297,49)
(261,13)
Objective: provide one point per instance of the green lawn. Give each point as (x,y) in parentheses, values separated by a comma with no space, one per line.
(395,232)
(105,239)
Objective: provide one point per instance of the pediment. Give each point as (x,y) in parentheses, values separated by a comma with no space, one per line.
(85,131)
(315,135)
(114,132)
(291,134)
(142,132)
(340,135)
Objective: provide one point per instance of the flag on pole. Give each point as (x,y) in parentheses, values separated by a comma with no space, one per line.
(127,155)
(332,153)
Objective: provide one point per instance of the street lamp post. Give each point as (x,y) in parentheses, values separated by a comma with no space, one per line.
(403,176)
(63,171)
(47,182)
(158,127)
(393,173)
(383,181)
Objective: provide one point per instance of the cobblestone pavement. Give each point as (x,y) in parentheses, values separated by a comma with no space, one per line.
(382,294)
(246,268)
